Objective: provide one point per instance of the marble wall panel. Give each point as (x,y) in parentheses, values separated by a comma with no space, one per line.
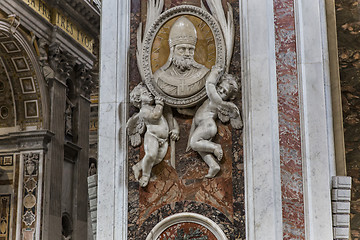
(185,189)
(348,30)
(289,121)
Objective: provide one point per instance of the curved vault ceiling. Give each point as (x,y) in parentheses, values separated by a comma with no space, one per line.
(20,98)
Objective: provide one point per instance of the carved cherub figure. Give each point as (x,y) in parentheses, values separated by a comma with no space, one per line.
(217,105)
(157,131)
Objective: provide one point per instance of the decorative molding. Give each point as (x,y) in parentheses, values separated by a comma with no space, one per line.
(11,47)
(186,217)
(92,190)
(29,218)
(24,141)
(5,217)
(4,112)
(89,13)
(30,194)
(341,197)
(31,109)
(20,64)
(6,160)
(27,85)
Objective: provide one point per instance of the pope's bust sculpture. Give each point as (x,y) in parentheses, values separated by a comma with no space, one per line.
(181,76)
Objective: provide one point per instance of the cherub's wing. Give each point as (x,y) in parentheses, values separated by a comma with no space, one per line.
(135,127)
(228,111)
(236,123)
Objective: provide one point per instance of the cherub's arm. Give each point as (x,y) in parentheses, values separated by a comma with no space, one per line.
(173,125)
(175,132)
(211,82)
(157,112)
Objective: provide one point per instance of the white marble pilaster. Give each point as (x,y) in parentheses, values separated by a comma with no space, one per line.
(316,117)
(112,166)
(260,114)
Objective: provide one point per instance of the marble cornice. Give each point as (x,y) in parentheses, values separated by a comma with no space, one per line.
(42,28)
(82,11)
(23,141)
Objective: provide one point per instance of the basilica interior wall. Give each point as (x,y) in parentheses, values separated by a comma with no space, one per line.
(46,77)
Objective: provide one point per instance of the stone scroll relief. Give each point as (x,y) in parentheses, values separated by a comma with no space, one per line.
(183,58)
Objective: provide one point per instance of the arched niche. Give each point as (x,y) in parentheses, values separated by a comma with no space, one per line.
(23,90)
(177,224)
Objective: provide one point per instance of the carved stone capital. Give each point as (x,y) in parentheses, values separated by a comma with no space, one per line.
(84,76)
(61,62)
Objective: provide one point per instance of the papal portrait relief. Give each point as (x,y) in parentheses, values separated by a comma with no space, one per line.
(179,51)
(181,76)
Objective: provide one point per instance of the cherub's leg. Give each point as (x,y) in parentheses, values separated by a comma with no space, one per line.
(214,167)
(144,180)
(151,146)
(160,156)
(137,168)
(161,153)
(200,140)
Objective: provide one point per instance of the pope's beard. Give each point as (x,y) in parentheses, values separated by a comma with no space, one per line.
(185,64)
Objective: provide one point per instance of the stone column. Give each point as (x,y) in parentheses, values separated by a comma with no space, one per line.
(112,167)
(82,164)
(54,163)
(52,224)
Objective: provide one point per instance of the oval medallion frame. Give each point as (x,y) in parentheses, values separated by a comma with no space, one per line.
(181,102)
(186,217)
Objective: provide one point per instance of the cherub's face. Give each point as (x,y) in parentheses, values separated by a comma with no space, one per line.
(224,90)
(146,96)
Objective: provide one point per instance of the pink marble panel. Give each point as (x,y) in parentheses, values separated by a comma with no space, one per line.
(289,121)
